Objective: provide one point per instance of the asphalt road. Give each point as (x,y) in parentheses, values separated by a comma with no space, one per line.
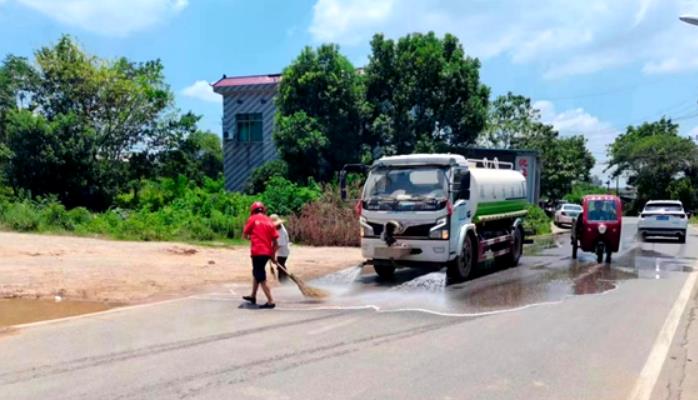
(553,328)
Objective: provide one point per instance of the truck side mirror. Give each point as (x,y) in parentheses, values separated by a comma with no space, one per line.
(360,168)
(343,185)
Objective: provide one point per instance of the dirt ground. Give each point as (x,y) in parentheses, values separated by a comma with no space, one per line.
(43,266)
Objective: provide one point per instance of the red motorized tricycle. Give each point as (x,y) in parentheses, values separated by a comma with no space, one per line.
(597,228)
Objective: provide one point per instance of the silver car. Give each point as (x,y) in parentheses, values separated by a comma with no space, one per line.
(565,214)
(663,218)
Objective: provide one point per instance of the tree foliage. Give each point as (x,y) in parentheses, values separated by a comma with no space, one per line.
(81,127)
(261,175)
(513,123)
(510,118)
(422,94)
(657,160)
(318,121)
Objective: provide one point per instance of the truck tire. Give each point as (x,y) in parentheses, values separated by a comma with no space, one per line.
(512,258)
(384,271)
(462,267)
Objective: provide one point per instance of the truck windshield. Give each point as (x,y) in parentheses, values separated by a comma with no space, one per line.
(406,188)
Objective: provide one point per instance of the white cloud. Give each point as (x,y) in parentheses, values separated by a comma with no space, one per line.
(108,17)
(332,18)
(564,38)
(576,121)
(201,90)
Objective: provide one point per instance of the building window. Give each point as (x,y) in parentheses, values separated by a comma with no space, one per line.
(249,127)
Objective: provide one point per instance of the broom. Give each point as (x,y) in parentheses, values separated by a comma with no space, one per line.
(308,291)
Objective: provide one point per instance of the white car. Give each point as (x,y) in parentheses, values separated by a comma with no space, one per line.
(565,214)
(663,218)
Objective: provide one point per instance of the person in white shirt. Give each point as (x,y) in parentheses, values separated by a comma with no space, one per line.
(283,250)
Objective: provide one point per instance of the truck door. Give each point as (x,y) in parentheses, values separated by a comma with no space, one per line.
(460,194)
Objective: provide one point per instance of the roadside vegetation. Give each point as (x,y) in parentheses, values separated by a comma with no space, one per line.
(164,209)
(93,146)
(537,221)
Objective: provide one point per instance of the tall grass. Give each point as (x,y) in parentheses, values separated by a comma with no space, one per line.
(164,209)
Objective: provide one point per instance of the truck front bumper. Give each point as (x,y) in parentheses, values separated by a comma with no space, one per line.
(411,250)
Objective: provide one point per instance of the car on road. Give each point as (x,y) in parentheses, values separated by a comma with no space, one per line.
(565,214)
(663,218)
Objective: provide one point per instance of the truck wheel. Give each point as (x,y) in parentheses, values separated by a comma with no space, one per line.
(512,258)
(608,257)
(574,249)
(461,268)
(385,272)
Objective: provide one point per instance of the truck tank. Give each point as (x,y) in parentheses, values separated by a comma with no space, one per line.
(497,193)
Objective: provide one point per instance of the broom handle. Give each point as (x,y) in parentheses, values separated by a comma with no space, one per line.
(281,267)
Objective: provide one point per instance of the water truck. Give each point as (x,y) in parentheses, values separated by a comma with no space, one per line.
(435,210)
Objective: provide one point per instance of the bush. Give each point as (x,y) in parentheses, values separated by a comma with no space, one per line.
(163,209)
(53,216)
(261,175)
(537,221)
(284,197)
(327,221)
(21,216)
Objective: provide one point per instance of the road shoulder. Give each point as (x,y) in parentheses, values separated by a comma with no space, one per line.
(679,377)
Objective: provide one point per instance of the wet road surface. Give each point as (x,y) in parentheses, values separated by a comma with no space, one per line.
(552,328)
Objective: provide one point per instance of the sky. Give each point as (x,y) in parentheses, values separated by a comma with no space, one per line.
(592,67)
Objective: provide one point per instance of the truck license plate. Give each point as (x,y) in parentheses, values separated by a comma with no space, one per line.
(394,252)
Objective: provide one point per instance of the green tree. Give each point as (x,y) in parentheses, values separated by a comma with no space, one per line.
(197,156)
(510,118)
(653,156)
(261,175)
(318,121)
(53,157)
(118,110)
(422,93)
(17,78)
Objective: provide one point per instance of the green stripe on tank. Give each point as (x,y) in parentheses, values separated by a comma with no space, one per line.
(500,207)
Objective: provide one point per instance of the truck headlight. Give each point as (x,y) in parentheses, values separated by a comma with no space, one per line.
(440,230)
(602,229)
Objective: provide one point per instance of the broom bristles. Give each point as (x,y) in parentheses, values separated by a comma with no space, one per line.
(307,291)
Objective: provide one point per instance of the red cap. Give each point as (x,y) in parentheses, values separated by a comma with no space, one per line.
(257,205)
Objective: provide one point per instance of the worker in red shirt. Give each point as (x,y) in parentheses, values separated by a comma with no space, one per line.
(262,234)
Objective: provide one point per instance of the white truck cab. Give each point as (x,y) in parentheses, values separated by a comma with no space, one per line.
(440,210)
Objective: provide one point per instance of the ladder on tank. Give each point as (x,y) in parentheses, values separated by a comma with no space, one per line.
(486,163)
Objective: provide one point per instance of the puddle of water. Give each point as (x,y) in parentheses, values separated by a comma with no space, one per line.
(21,311)
(497,290)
